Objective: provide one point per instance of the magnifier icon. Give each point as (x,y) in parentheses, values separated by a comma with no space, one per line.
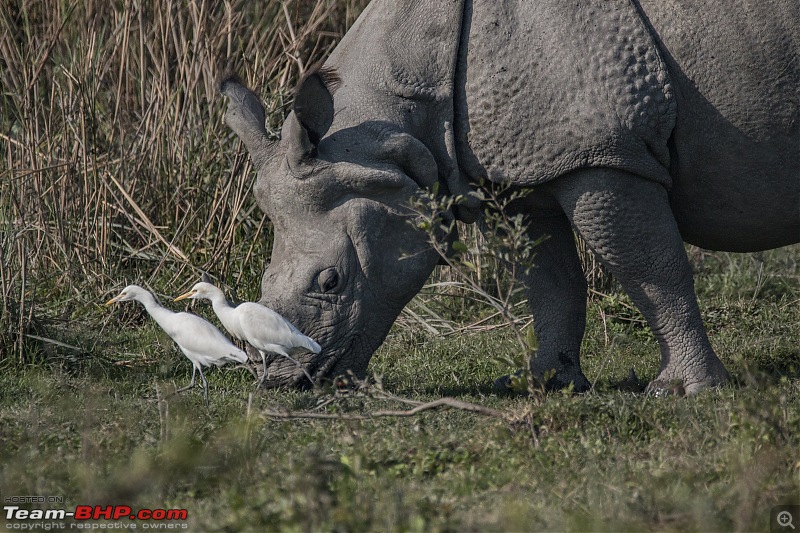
(785,519)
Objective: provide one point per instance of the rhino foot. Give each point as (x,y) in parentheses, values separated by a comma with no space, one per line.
(671,381)
(515,382)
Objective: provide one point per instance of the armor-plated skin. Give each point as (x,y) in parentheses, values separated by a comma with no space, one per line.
(640,124)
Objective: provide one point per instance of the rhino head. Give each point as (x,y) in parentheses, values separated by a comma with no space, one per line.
(345,260)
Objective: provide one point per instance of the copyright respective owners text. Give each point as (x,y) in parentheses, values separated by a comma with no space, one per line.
(784,519)
(54,513)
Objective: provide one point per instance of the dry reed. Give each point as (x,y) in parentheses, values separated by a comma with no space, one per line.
(116,163)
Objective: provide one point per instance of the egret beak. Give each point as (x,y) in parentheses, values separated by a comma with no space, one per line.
(113,300)
(185,295)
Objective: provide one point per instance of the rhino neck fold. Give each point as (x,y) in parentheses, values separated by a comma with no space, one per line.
(398,64)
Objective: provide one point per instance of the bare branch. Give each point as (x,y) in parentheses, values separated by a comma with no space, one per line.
(442,402)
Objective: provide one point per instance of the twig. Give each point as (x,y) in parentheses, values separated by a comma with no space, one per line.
(526,321)
(145,220)
(50,46)
(421,321)
(442,402)
(604,295)
(53,341)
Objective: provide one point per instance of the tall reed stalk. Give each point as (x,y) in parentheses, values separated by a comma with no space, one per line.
(116,164)
(115,161)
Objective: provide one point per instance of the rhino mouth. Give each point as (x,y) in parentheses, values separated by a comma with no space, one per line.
(281,372)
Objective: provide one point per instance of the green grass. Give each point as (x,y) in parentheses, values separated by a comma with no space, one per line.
(97,432)
(131,126)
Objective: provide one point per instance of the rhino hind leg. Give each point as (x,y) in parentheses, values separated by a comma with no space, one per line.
(628,223)
(556,290)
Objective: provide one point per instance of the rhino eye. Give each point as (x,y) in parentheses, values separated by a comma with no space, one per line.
(328,280)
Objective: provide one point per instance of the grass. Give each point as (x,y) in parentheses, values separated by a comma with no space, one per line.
(100,429)
(117,168)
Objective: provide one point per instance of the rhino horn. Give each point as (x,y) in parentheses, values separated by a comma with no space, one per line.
(312,111)
(245,116)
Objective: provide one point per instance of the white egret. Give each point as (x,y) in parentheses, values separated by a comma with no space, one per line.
(197,338)
(265,330)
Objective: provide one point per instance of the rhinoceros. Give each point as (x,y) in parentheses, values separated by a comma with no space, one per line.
(639,124)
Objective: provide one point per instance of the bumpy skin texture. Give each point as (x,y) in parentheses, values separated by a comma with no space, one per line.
(640,124)
(553,86)
(736,168)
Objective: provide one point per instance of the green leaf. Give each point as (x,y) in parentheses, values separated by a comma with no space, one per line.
(459,247)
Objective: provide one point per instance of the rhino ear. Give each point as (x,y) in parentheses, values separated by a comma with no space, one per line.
(312,112)
(245,116)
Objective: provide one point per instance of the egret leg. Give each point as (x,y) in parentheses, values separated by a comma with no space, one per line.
(191,383)
(264,373)
(300,366)
(287,356)
(249,368)
(205,385)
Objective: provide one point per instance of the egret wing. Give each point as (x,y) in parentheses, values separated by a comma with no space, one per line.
(263,326)
(199,336)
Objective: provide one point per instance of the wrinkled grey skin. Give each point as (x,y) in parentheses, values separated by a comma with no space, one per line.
(641,125)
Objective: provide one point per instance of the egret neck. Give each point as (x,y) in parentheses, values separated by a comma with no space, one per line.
(160,314)
(226,313)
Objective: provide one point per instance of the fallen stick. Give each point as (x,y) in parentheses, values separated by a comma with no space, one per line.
(442,402)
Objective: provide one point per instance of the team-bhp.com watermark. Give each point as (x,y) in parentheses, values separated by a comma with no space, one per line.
(91,517)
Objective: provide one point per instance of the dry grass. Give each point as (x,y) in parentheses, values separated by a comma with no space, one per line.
(116,161)
(117,166)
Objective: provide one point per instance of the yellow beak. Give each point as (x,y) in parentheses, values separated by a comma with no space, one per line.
(113,300)
(185,295)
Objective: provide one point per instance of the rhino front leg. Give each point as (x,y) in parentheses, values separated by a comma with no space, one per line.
(627,221)
(556,290)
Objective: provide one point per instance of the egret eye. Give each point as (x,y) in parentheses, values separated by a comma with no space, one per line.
(328,280)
